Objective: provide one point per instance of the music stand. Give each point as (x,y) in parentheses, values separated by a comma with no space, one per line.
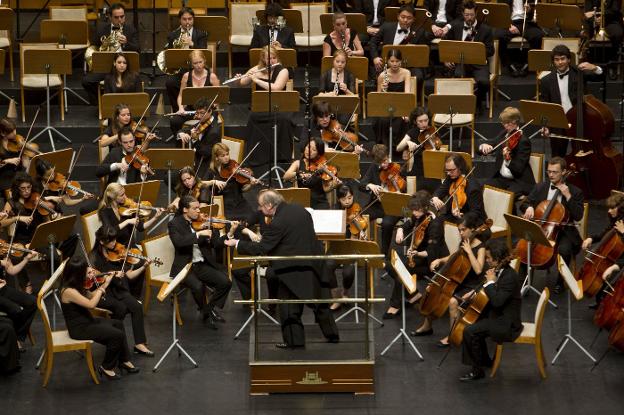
(464,53)
(533,234)
(190,95)
(293,18)
(102,62)
(61,160)
(287,57)
(340,104)
(347,164)
(574,288)
(453,105)
(355,21)
(179,58)
(274,102)
(48,61)
(409,282)
(499,16)
(354,246)
(136,102)
(394,203)
(414,56)
(151,189)
(297,195)
(433,163)
(541,60)
(165,291)
(559,16)
(390,104)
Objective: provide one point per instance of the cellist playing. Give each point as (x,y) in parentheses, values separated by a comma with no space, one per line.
(571,197)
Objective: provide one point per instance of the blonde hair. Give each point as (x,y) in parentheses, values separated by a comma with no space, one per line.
(272,51)
(510,114)
(197,54)
(217,150)
(111,193)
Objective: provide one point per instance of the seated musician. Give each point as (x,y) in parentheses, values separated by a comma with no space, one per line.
(10,356)
(127,36)
(76,302)
(186,36)
(456,170)
(443,13)
(199,76)
(560,87)
(469,29)
(342,38)
(329,127)
(10,161)
(400,32)
(522,24)
(122,78)
(419,137)
(45,175)
(119,300)
(304,172)
(571,197)
(503,323)
(473,245)
(19,305)
(122,117)
(419,256)
(115,166)
(338,80)
(281,36)
(613,24)
(615,214)
(194,246)
(512,169)
(189,183)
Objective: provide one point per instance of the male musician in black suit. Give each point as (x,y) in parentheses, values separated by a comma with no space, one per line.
(456,169)
(443,13)
(128,38)
(561,87)
(571,197)
(114,165)
(281,37)
(375,13)
(503,323)
(513,174)
(195,246)
(291,232)
(191,38)
(612,21)
(469,29)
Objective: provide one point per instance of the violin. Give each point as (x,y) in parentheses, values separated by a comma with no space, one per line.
(36,202)
(512,142)
(98,279)
(551,214)
(458,192)
(71,187)
(242,175)
(429,139)
(130,207)
(391,178)
(444,283)
(418,235)
(202,126)
(319,166)
(15,146)
(218,222)
(18,250)
(334,134)
(356,222)
(137,160)
(119,252)
(609,250)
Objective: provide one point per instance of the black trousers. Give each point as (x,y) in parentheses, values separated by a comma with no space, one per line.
(172,84)
(348,274)
(290,318)
(9,353)
(90,83)
(20,308)
(110,333)
(532,33)
(513,185)
(474,348)
(122,304)
(202,275)
(243,281)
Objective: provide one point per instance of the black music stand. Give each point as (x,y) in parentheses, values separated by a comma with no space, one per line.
(165,291)
(533,234)
(453,105)
(48,61)
(391,104)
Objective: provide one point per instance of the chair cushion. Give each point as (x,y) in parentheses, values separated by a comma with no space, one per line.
(39,81)
(542,74)
(457,119)
(495,228)
(161,278)
(4,42)
(518,39)
(528,331)
(315,40)
(240,40)
(61,338)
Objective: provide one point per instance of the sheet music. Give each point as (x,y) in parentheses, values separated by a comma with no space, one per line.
(328,221)
(408,280)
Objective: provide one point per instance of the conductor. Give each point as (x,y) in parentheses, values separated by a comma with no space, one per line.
(291,232)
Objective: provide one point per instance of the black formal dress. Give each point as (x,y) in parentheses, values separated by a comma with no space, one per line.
(20,307)
(285,36)
(110,85)
(318,197)
(203,145)
(503,323)
(176,122)
(106,168)
(350,44)
(7,171)
(291,232)
(235,204)
(9,352)
(327,84)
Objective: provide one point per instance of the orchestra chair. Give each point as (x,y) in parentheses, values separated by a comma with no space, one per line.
(358,66)
(536,161)
(90,224)
(411,187)
(236,146)
(7,17)
(497,202)
(133,61)
(581,225)
(241,16)
(451,237)
(59,341)
(76,12)
(198,6)
(531,334)
(316,31)
(456,86)
(136,101)
(494,64)
(38,81)
(159,246)
(227,253)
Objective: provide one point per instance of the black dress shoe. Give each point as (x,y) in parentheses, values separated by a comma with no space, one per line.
(443,345)
(417,333)
(558,288)
(131,370)
(593,306)
(139,351)
(106,375)
(390,316)
(333,339)
(216,316)
(288,346)
(474,375)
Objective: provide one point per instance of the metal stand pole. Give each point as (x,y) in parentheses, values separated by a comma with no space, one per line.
(568,336)
(526,285)
(275,168)
(253,315)
(49,129)
(166,217)
(175,341)
(402,331)
(356,308)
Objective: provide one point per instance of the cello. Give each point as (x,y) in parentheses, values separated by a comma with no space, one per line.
(609,250)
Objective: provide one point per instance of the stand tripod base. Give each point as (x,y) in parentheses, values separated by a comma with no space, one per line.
(250,319)
(275,169)
(176,343)
(357,309)
(526,286)
(564,342)
(403,334)
(49,129)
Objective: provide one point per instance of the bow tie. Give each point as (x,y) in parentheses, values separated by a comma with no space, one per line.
(468,28)
(553,187)
(403,31)
(563,75)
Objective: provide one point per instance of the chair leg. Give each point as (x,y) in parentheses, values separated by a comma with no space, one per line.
(48,369)
(62,101)
(147,297)
(539,354)
(22,104)
(497,359)
(11,62)
(89,358)
(492,93)
(176,304)
(229,60)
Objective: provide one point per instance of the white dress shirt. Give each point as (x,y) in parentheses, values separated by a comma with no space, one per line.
(466,32)
(551,193)
(398,37)
(375,17)
(517,11)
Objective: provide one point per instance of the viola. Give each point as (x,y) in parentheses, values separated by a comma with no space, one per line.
(36,202)
(71,187)
(242,175)
(119,252)
(334,134)
(137,160)
(391,178)
(417,237)
(429,140)
(320,167)
(608,251)
(445,282)
(202,126)
(356,222)
(17,250)
(15,146)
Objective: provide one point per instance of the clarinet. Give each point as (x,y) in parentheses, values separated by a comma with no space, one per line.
(386,78)
(306,92)
(337,84)
(344,41)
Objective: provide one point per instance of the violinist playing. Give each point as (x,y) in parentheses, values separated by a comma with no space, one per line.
(122,117)
(118,299)
(190,184)
(330,128)
(115,165)
(10,162)
(307,173)
(503,323)
(571,197)
(46,174)
(465,192)
(512,169)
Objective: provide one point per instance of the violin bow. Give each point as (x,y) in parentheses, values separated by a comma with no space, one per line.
(144,112)
(242,162)
(507,139)
(29,132)
(32,215)
(71,169)
(428,138)
(12,237)
(346,127)
(136,223)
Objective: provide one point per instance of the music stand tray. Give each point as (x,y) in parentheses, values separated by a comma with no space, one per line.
(567,17)
(414,56)
(390,104)
(61,160)
(341,104)
(102,62)
(499,15)
(433,163)
(541,60)
(545,114)
(393,203)
(190,95)
(216,27)
(347,164)
(297,195)
(49,233)
(463,53)
(151,188)
(179,58)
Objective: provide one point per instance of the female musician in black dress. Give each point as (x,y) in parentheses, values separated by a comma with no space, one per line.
(19,306)
(122,78)
(121,118)
(190,184)
(337,80)
(10,161)
(76,303)
(342,38)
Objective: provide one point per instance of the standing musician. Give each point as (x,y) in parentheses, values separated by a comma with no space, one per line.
(190,184)
(281,36)
(76,302)
(342,38)
(571,197)
(195,246)
(308,172)
(126,35)
(186,37)
(612,21)
(199,76)
(503,323)
(468,29)
(561,86)
(291,232)
(337,80)
(115,166)
(512,169)
(104,257)
(443,12)
(469,197)
(473,245)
